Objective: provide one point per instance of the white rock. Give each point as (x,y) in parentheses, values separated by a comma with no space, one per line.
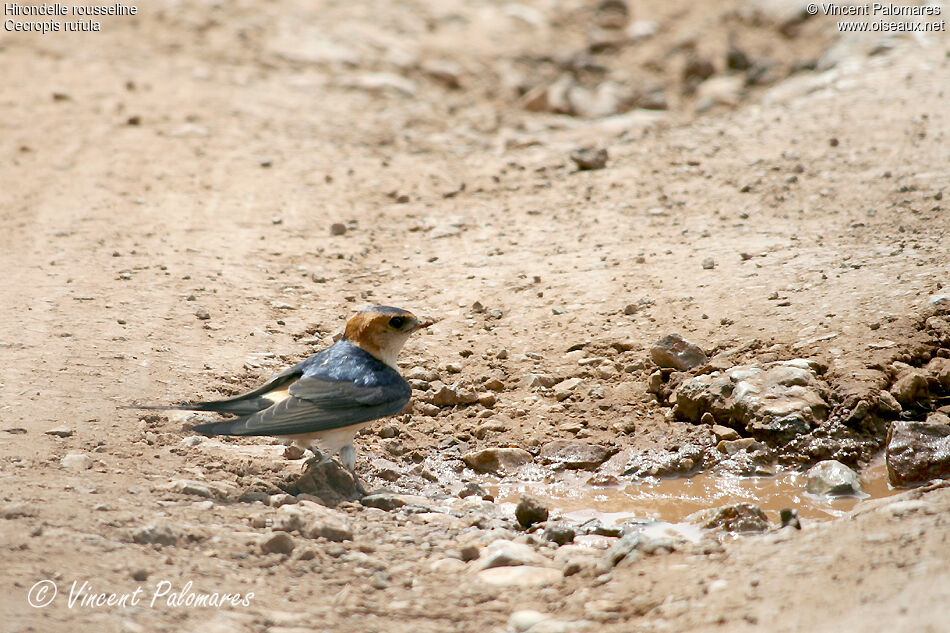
(523,576)
(76,461)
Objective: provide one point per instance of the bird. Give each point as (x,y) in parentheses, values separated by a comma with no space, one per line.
(324,400)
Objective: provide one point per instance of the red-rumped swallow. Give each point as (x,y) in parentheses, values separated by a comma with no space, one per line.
(327,398)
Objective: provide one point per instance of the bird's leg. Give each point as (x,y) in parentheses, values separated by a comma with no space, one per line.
(319,457)
(348,457)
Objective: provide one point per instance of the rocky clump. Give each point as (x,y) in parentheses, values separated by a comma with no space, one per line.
(741,517)
(675,352)
(832,478)
(496,460)
(773,403)
(917,452)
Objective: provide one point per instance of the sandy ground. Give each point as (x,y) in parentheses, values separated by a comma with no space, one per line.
(167,192)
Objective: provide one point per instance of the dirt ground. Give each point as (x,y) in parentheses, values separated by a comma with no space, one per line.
(167,192)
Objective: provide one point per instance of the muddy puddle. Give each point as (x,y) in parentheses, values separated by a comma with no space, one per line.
(671,500)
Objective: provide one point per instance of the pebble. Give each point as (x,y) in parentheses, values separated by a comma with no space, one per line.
(530,510)
(588,158)
(910,386)
(292,452)
(917,452)
(389,501)
(278,543)
(312,520)
(496,460)
(722,432)
(17,510)
(564,389)
(539,380)
(158,533)
(77,461)
(939,368)
(337,228)
(675,352)
(523,576)
(442,395)
(504,553)
(832,478)
(938,417)
(202,314)
(573,454)
(741,517)
(709,263)
(60,431)
(560,533)
(522,621)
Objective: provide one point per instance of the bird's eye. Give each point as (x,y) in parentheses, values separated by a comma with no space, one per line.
(397,322)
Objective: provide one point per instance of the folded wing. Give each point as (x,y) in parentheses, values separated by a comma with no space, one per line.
(312,404)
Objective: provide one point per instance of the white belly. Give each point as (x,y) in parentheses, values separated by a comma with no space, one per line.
(331,441)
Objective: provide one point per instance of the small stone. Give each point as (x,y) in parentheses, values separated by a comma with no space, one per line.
(387,470)
(731,447)
(312,520)
(938,417)
(278,543)
(522,621)
(60,431)
(832,478)
(566,388)
(443,395)
(496,460)
(917,452)
(76,461)
(939,368)
(472,489)
(539,380)
(337,228)
(140,575)
(676,352)
(789,517)
(524,576)
(391,501)
(17,510)
(573,454)
(156,534)
(910,387)
(202,314)
(888,403)
(723,433)
(560,533)
(470,552)
(709,263)
(292,451)
(529,511)
(503,553)
(741,517)
(318,278)
(188,487)
(588,158)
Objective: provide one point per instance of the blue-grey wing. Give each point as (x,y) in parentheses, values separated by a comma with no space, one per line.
(314,404)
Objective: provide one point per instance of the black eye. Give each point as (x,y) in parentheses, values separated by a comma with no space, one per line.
(397,322)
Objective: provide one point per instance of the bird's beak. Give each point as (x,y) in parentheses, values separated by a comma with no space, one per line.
(424,322)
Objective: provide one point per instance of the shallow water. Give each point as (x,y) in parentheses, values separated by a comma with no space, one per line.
(671,500)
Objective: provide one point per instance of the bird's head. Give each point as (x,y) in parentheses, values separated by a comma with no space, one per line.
(382,331)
